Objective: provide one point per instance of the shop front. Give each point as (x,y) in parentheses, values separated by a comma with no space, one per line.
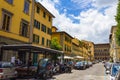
(27,51)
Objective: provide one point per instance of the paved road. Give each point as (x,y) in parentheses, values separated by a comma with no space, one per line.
(96,72)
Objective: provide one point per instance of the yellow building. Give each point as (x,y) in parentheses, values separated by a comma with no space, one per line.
(42,27)
(91,50)
(14,22)
(64,39)
(114,48)
(77,49)
(15,27)
(88,50)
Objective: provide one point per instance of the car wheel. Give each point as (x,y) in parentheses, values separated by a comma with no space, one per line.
(12,78)
(51,75)
(44,76)
(36,76)
(84,68)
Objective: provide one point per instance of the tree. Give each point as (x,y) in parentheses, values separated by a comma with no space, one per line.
(55,45)
(117,18)
(80,43)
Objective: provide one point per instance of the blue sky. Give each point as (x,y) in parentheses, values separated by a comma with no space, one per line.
(84,19)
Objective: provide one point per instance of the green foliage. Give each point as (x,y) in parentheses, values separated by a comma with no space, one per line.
(118,34)
(117,18)
(55,57)
(55,44)
(80,43)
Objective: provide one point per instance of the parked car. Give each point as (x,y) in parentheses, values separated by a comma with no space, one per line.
(86,64)
(90,64)
(79,65)
(71,64)
(117,77)
(114,70)
(44,69)
(25,71)
(7,71)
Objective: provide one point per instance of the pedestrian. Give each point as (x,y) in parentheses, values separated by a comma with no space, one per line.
(18,62)
(13,59)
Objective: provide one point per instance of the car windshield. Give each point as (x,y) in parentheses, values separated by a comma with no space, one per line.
(78,63)
(43,62)
(6,65)
(115,69)
(70,62)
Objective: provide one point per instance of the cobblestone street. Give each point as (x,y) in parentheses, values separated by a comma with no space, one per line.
(96,72)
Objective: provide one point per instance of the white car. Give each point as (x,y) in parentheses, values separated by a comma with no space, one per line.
(7,71)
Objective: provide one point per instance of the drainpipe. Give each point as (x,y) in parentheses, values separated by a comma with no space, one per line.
(32,22)
(31,29)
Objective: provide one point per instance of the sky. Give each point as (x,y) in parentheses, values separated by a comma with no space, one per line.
(89,20)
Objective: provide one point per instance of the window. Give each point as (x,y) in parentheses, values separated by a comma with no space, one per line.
(24,28)
(26,7)
(49,31)
(65,48)
(49,18)
(48,42)
(6,20)
(43,40)
(10,1)
(67,39)
(35,38)
(38,10)
(43,28)
(37,24)
(44,14)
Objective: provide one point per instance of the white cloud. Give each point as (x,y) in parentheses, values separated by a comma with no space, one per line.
(93,26)
(82,3)
(104,3)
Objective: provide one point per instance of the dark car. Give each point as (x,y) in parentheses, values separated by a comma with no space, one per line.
(114,70)
(117,77)
(79,65)
(44,69)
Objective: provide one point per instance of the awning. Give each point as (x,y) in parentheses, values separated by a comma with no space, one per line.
(78,57)
(66,57)
(29,48)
